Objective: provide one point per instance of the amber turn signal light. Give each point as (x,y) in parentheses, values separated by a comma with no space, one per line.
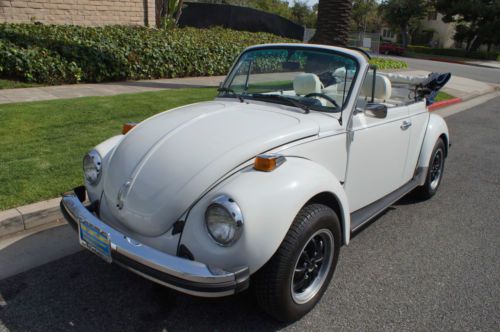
(268,162)
(128,127)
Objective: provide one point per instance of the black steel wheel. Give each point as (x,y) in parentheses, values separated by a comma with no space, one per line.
(434,172)
(295,278)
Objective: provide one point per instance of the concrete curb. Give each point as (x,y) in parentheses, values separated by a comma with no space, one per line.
(444,103)
(28,217)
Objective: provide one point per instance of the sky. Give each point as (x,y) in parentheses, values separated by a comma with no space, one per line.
(309,2)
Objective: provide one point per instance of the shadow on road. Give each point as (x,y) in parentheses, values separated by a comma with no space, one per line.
(80,292)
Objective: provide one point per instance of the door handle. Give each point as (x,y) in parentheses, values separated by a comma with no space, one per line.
(406,125)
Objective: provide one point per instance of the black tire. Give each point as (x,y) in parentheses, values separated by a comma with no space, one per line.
(432,183)
(274,281)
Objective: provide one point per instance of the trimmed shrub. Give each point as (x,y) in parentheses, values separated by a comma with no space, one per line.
(455,52)
(67,54)
(56,54)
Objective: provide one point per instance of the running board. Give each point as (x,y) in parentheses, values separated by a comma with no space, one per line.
(364,215)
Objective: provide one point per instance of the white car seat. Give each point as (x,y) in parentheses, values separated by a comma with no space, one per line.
(306,83)
(383,87)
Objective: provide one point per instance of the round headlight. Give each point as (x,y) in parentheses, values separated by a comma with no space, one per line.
(92,167)
(224,221)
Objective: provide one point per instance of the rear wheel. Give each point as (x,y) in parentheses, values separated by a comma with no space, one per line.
(295,278)
(434,172)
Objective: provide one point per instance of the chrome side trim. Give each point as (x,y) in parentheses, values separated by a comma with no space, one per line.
(184,275)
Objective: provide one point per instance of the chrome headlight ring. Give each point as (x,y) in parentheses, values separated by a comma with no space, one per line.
(92,167)
(224,221)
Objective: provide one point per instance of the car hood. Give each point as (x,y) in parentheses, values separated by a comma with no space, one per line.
(165,163)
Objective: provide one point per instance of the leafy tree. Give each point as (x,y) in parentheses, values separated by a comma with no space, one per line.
(365,15)
(333,25)
(168,12)
(302,14)
(402,14)
(478,21)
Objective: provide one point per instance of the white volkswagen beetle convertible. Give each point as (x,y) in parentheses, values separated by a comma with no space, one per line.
(263,185)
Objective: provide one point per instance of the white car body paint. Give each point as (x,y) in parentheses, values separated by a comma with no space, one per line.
(270,202)
(178,161)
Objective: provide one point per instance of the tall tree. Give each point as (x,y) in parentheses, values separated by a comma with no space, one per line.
(334,21)
(365,15)
(400,13)
(478,21)
(302,14)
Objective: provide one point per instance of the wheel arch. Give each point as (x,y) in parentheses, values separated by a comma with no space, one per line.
(436,129)
(332,201)
(446,144)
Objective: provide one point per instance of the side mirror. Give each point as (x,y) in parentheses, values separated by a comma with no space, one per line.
(378,111)
(220,84)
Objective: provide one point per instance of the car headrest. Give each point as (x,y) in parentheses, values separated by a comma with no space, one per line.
(383,87)
(306,83)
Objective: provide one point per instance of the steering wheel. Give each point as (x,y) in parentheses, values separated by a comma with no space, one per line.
(324,96)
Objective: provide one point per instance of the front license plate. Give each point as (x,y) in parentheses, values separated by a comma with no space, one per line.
(95,240)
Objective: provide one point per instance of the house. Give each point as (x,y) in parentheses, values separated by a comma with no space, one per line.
(388,35)
(431,32)
(440,33)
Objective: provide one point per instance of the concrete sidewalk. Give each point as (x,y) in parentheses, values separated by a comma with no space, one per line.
(484,63)
(458,86)
(104,89)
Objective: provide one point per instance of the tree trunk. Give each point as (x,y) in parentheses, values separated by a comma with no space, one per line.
(476,42)
(179,12)
(404,35)
(334,18)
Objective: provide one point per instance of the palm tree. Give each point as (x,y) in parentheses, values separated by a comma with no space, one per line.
(334,21)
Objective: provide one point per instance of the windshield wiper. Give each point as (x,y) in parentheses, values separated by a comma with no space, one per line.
(290,100)
(232,92)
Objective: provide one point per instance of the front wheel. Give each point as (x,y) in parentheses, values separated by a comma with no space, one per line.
(434,172)
(295,278)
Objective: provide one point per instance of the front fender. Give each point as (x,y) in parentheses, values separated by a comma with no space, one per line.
(104,149)
(436,128)
(269,203)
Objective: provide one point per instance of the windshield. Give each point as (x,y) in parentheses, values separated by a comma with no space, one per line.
(313,78)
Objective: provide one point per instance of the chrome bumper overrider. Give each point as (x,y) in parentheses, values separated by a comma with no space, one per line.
(181,274)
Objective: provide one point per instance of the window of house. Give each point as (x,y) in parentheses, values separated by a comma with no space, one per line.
(386,33)
(432,15)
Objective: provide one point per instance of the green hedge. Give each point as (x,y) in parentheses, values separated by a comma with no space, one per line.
(455,52)
(56,54)
(67,54)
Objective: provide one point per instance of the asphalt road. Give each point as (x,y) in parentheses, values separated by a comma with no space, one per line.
(488,75)
(431,265)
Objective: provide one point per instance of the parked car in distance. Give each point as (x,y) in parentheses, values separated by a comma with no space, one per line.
(391,48)
(263,185)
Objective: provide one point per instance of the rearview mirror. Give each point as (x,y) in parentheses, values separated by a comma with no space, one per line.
(378,111)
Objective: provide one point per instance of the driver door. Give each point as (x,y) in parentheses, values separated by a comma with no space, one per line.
(378,150)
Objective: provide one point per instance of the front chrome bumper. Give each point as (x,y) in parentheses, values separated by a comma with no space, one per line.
(181,274)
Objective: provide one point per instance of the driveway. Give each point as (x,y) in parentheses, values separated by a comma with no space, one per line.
(430,265)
